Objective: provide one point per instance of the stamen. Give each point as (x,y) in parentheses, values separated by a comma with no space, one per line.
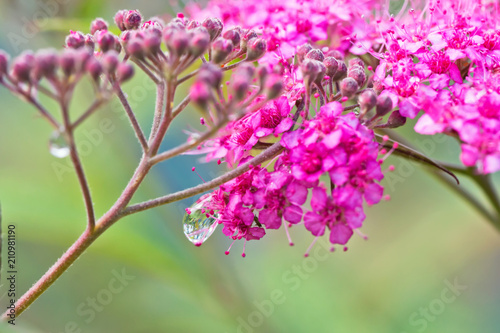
(288,234)
(229,249)
(244,244)
(310,247)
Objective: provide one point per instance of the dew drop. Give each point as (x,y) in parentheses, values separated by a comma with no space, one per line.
(58,146)
(197,226)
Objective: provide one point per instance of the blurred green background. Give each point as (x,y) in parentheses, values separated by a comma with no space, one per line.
(421,242)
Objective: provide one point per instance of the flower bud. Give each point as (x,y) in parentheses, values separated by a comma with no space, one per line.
(331,65)
(81,57)
(45,64)
(246,69)
(248,35)
(110,61)
(199,40)
(4,62)
(214,27)
(233,35)
(336,54)
(152,43)
(155,24)
(395,120)
(348,87)
(356,62)
(210,74)
(302,51)
(105,40)
(384,105)
(94,68)
(273,86)
(117,45)
(178,42)
(22,66)
(341,71)
(262,73)
(75,40)
(321,73)
(200,94)
(239,86)
(256,48)
(98,24)
(90,42)
(310,69)
(221,48)
(119,16)
(315,54)
(124,71)
(367,100)
(135,48)
(67,62)
(192,24)
(357,73)
(132,19)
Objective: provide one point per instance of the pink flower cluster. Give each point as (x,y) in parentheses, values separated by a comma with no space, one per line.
(447,66)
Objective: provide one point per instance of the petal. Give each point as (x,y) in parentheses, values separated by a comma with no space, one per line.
(319,197)
(340,234)
(270,218)
(314,223)
(296,193)
(293,214)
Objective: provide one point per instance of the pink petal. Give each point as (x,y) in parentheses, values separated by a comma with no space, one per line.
(293,214)
(340,234)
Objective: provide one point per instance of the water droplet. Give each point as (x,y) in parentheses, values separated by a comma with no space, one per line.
(58,146)
(197,226)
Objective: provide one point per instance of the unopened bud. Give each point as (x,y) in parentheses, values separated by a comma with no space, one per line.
(94,68)
(45,64)
(356,62)
(384,105)
(273,86)
(245,38)
(124,71)
(239,86)
(348,87)
(152,43)
(331,65)
(341,71)
(367,100)
(262,74)
(119,16)
(200,94)
(105,40)
(192,24)
(75,40)
(336,54)
(199,40)
(302,51)
(67,62)
(256,48)
(132,19)
(110,61)
(135,48)
(315,54)
(90,42)
(22,66)
(214,27)
(233,35)
(221,48)
(210,74)
(178,43)
(310,69)
(395,120)
(4,62)
(98,24)
(357,73)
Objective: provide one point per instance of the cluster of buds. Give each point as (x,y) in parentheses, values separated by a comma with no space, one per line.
(322,70)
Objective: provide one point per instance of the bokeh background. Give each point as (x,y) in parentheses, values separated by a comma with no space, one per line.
(421,242)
